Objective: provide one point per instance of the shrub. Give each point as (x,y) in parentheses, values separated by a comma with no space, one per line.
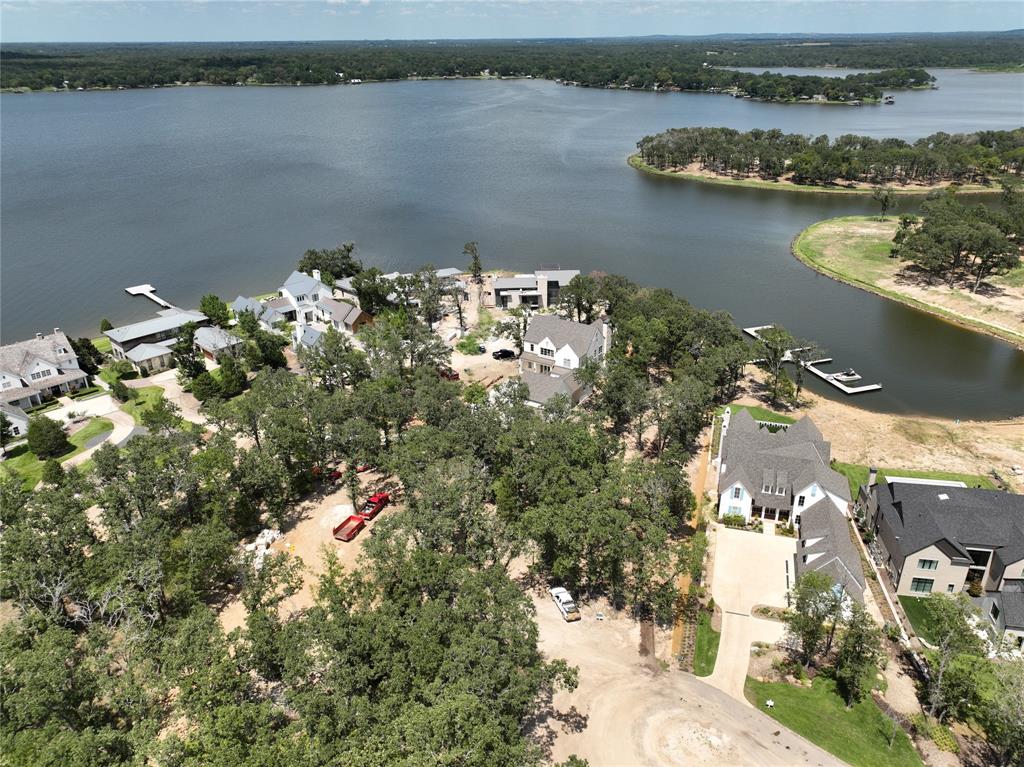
(46,438)
(733,520)
(53,472)
(121,392)
(105,324)
(206,387)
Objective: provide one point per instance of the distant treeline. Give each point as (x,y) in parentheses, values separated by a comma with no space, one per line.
(688,63)
(960,157)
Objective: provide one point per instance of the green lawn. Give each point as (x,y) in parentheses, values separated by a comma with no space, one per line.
(148,396)
(761,414)
(918,612)
(102,344)
(705,651)
(24,463)
(857,475)
(858,735)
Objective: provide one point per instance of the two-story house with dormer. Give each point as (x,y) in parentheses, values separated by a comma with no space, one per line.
(776,473)
(299,296)
(553,348)
(39,368)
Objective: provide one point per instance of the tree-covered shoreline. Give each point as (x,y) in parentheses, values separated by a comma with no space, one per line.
(662,63)
(771,155)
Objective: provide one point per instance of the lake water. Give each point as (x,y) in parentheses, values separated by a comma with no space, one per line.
(221,189)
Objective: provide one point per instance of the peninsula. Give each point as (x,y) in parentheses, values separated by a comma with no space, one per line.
(857,250)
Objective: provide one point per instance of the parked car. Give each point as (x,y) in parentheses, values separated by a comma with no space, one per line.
(375,504)
(448,374)
(566,604)
(503,354)
(481,348)
(350,528)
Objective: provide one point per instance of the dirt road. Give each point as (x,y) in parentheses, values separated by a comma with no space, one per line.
(627,712)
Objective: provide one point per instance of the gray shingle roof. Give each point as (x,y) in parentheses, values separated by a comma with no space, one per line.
(920,515)
(1011,606)
(310,336)
(543,386)
(144,352)
(299,283)
(12,412)
(17,357)
(164,321)
(340,311)
(792,458)
(213,339)
(576,335)
(838,556)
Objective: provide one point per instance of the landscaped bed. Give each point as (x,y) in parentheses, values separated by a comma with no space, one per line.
(858,735)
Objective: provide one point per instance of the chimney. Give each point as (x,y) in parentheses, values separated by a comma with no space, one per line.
(872,477)
(316,275)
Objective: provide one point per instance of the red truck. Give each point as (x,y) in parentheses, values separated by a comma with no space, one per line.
(374,504)
(350,528)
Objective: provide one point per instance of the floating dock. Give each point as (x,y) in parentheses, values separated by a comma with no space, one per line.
(813,367)
(149,292)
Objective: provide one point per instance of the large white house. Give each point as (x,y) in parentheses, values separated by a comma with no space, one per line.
(776,475)
(39,368)
(553,348)
(299,296)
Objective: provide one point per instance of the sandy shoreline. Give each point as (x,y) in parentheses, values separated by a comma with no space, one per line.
(693,172)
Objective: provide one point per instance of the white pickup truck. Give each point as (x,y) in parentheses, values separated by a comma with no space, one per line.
(566,605)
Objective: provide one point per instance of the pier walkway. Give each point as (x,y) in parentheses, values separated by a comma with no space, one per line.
(813,367)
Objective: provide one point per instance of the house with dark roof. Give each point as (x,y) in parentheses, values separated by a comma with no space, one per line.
(39,368)
(538,290)
(825,546)
(940,538)
(553,349)
(776,474)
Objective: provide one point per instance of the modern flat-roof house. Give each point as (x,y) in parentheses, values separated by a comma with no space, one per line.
(17,418)
(153,334)
(825,546)
(538,290)
(212,341)
(553,348)
(301,292)
(39,368)
(776,475)
(939,538)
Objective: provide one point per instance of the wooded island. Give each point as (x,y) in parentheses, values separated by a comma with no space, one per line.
(848,162)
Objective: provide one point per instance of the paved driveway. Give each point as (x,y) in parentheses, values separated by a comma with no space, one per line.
(750,569)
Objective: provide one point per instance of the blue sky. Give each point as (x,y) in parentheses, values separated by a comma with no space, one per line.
(173,20)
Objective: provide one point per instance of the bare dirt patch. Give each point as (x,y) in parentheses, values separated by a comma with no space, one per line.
(908,442)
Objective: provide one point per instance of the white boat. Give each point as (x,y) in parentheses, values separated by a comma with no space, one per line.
(847,376)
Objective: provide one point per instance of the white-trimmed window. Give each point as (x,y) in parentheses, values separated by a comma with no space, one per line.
(735,510)
(800,501)
(814,491)
(927,564)
(737,492)
(545,368)
(547,352)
